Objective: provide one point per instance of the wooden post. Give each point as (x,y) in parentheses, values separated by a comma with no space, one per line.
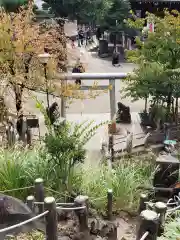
(110,142)
(148,223)
(82,214)
(29,136)
(112,154)
(51,219)
(39,193)
(129,47)
(142,202)
(111,147)
(112,98)
(10,135)
(13,135)
(30,202)
(24,129)
(129,143)
(161,209)
(123,40)
(109,204)
(146,139)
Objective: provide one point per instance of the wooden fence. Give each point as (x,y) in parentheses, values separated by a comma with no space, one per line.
(150,224)
(48,208)
(153,140)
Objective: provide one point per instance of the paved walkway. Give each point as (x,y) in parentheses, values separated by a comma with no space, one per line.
(101,104)
(93,109)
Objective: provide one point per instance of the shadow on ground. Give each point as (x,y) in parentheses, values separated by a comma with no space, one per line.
(107,58)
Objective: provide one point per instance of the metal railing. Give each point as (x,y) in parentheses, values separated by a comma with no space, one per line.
(97,76)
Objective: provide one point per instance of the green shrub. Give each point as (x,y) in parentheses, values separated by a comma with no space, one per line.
(172,230)
(65,147)
(20,169)
(14,171)
(125,180)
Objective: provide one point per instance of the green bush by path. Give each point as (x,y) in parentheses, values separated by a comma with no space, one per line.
(20,169)
(124,180)
(14,170)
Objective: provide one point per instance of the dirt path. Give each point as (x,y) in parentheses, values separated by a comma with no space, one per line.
(126,229)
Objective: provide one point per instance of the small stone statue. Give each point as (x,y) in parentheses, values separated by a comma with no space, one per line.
(123,114)
(115,59)
(53,113)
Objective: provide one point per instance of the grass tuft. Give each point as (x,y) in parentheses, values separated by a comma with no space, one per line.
(20,168)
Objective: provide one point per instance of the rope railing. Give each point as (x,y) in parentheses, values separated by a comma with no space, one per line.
(23,223)
(154,214)
(16,189)
(171,202)
(144,235)
(58,204)
(71,209)
(99,198)
(173,209)
(37,203)
(148,214)
(65,204)
(51,190)
(59,194)
(168,204)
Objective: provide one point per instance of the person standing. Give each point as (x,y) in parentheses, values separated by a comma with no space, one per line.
(88,36)
(81,36)
(72,43)
(115,59)
(78,68)
(98,33)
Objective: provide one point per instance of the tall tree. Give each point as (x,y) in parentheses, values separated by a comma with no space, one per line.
(22,40)
(158,59)
(12,5)
(81,10)
(114,17)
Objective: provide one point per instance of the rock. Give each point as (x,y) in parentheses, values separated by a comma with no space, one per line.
(123,114)
(99,238)
(64,238)
(13,211)
(80,236)
(102,228)
(62,215)
(8,237)
(68,228)
(92,212)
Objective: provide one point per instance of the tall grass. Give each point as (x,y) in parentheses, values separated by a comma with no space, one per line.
(14,171)
(20,168)
(124,180)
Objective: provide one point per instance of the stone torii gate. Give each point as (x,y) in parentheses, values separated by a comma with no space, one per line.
(112,77)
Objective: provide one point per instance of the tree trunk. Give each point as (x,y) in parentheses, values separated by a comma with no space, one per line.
(145,105)
(18,90)
(169,101)
(173,110)
(176,110)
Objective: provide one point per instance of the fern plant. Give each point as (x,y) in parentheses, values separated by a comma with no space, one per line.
(65,148)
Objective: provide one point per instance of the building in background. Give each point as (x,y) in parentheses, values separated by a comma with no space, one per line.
(140,7)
